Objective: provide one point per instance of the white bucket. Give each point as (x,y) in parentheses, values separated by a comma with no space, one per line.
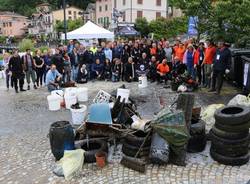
(54,102)
(143,82)
(124,93)
(71,91)
(70,99)
(58,93)
(78,115)
(82,94)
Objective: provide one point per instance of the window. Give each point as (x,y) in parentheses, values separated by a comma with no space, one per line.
(10,24)
(75,15)
(139,1)
(158,2)
(124,2)
(106,7)
(158,14)
(100,8)
(124,17)
(3,24)
(69,12)
(70,18)
(139,14)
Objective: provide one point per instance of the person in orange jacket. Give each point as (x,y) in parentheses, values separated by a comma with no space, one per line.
(163,72)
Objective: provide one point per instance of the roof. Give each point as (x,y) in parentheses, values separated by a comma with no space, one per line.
(90,6)
(68,8)
(13,14)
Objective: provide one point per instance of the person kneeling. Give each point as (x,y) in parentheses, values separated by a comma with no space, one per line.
(163,72)
(53,79)
(82,75)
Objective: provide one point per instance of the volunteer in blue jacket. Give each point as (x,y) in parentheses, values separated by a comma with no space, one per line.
(221,65)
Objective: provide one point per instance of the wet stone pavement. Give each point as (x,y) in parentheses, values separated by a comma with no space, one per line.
(25,156)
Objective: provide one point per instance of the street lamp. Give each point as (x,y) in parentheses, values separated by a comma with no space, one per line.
(64,20)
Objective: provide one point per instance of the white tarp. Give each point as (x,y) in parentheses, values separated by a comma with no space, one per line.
(89,31)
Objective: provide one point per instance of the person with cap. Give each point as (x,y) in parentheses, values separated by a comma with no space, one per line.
(17,71)
(221,66)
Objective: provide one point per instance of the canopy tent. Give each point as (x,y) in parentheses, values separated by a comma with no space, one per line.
(128,31)
(89,31)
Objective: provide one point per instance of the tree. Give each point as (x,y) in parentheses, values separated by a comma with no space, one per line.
(168,28)
(142,25)
(71,25)
(196,8)
(26,44)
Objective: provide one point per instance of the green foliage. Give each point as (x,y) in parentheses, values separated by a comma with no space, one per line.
(142,25)
(162,27)
(71,25)
(221,19)
(44,48)
(2,39)
(26,44)
(27,7)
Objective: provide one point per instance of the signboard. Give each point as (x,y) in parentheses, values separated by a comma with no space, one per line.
(192,26)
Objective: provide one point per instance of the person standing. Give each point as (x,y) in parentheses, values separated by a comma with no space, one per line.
(188,59)
(168,54)
(29,68)
(221,65)
(208,61)
(129,70)
(47,62)
(17,71)
(6,58)
(58,61)
(199,57)
(67,68)
(108,52)
(39,64)
(74,60)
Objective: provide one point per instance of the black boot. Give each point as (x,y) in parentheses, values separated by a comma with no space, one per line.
(28,87)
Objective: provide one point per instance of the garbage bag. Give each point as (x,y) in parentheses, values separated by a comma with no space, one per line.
(207,114)
(171,126)
(240,100)
(72,163)
(159,150)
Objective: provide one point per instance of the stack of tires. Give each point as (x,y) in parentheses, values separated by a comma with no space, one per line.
(230,135)
(133,142)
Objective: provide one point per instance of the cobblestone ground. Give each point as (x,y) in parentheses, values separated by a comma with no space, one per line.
(25,155)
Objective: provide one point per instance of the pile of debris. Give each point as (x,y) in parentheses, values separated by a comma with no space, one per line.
(113,120)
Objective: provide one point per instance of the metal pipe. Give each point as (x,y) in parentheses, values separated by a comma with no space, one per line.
(131,11)
(64,20)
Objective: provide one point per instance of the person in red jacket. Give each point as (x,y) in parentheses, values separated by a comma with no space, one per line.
(198,59)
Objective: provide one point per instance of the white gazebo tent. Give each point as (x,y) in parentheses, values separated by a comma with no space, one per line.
(89,31)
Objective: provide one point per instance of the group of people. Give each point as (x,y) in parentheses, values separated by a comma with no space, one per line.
(117,61)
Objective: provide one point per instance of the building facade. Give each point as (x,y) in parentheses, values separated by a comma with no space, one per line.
(131,10)
(89,13)
(13,24)
(72,13)
(41,21)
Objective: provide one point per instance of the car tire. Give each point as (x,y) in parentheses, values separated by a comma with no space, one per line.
(197,127)
(227,142)
(233,128)
(131,151)
(96,146)
(196,143)
(233,161)
(137,138)
(229,135)
(232,115)
(230,151)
